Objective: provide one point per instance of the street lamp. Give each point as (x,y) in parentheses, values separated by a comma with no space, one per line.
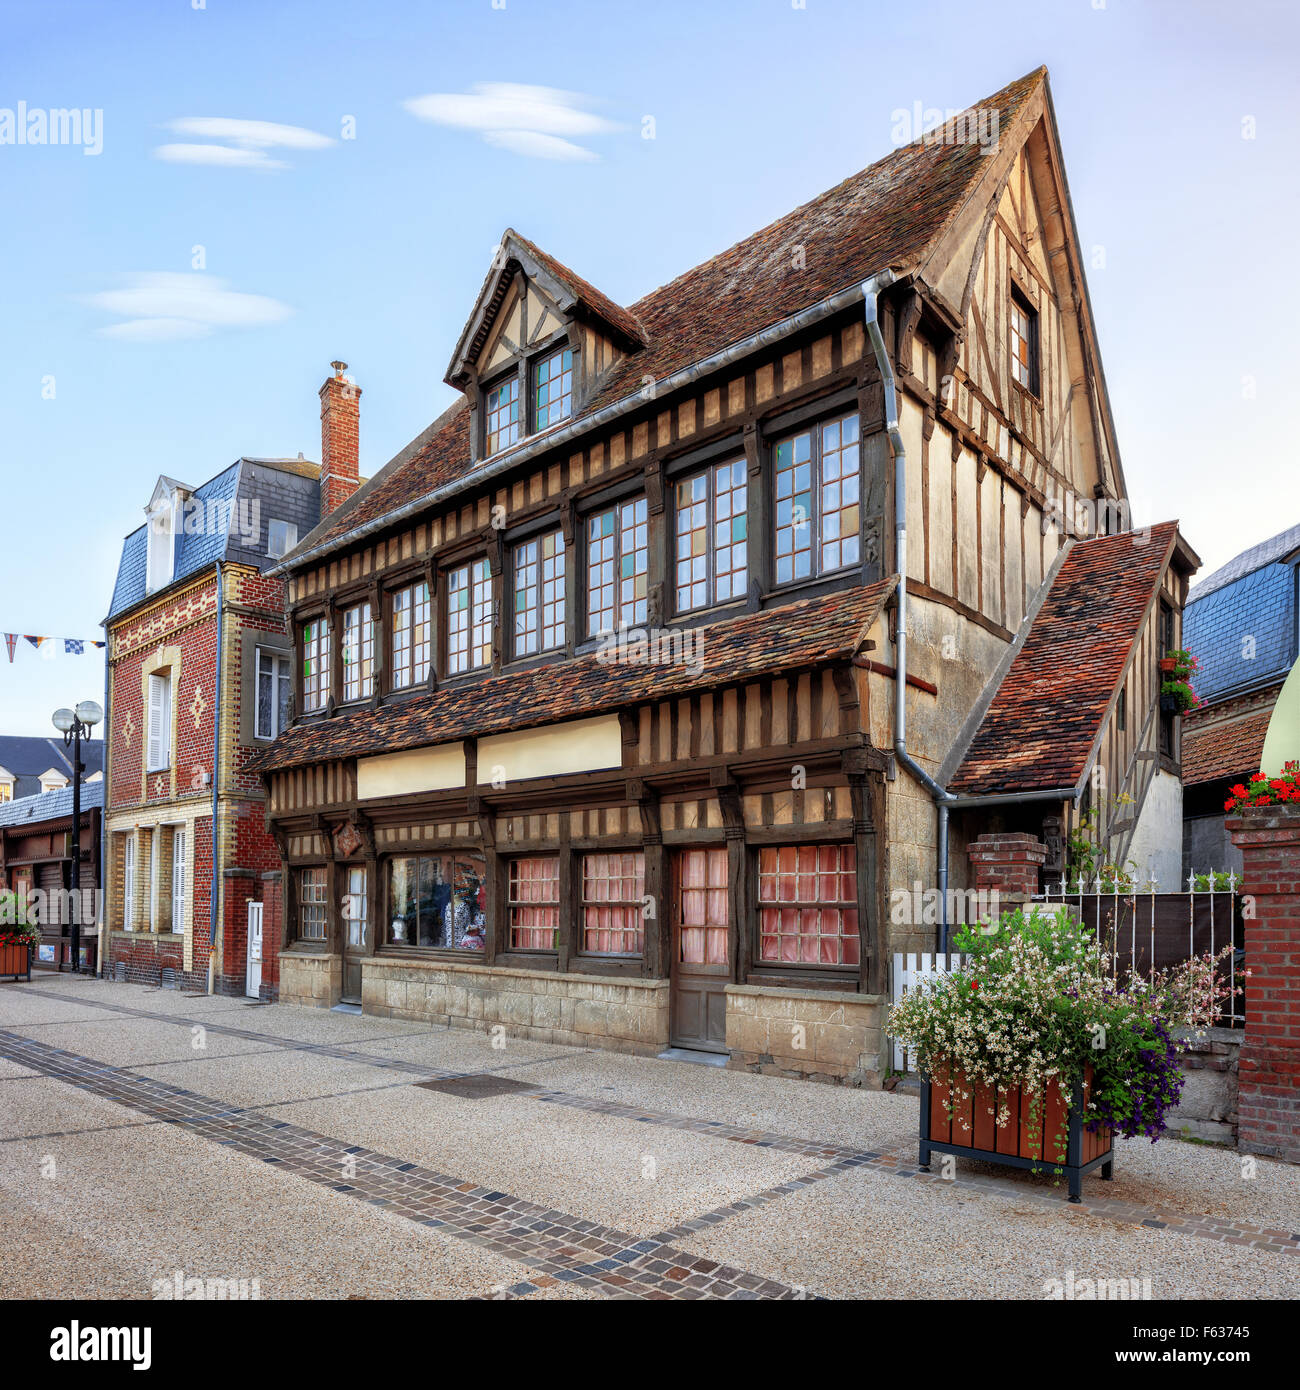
(75,725)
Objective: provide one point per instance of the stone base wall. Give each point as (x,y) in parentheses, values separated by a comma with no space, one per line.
(627,1015)
(1207,1108)
(311,981)
(815,1035)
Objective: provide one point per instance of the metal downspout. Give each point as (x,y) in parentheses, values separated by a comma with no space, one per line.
(217,706)
(942,798)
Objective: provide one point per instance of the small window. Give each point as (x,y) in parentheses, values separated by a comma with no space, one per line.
(313,921)
(178,882)
(712,558)
(469,617)
(539,594)
(1121,711)
(159,751)
(808,905)
(358,652)
(411,633)
(281,537)
(1024,342)
(554,391)
(274,683)
(617,567)
(502,417)
(128,883)
(315,665)
(818,511)
(613,904)
(533,906)
(6,791)
(438,901)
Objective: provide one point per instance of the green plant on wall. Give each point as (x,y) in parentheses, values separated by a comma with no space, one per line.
(1087,862)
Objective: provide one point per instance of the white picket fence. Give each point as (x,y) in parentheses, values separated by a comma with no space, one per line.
(912,970)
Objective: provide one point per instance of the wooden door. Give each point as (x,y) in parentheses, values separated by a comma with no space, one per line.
(701,961)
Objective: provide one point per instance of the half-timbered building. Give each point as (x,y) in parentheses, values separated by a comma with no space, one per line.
(651,694)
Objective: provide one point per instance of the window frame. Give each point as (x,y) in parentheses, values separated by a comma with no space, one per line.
(179,879)
(322,645)
(582,903)
(364,642)
(1019,302)
(814,429)
(709,471)
(446,860)
(408,663)
(291,537)
(471,667)
(303,903)
(507,381)
(161,762)
(841,970)
(615,505)
(511,902)
(280,684)
(560,559)
(128,881)
(535,383)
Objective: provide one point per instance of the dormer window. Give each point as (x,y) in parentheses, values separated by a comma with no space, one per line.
(161,542)
(553,393)
(502,418)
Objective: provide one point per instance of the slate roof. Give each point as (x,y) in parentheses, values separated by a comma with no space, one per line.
(882,217)
(284,489)
(27,758)
(795,637)
(1252,596)
(1039,730)
(1223,748)
(50,806)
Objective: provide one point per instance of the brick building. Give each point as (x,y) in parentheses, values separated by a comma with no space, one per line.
(199,665)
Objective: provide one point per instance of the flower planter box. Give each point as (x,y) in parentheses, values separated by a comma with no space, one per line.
(16,960)
(955,1119)
(1168,663)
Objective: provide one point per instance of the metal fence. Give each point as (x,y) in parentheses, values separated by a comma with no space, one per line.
(1152,931)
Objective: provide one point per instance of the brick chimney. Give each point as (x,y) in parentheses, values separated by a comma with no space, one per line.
(339,434)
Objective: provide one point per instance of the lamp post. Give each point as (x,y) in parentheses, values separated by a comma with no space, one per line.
(74,725)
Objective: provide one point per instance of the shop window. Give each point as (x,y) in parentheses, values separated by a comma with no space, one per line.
(613,904)
(438,901)
(533,904)
(313,903)
(808,905)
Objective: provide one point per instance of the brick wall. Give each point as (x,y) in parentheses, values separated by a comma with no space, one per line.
(1269,1069)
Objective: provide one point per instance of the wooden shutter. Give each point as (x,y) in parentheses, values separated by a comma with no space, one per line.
(159,754)
(178,881)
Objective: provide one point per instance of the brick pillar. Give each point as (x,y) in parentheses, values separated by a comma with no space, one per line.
(1268,1102)
(1007,863)
(238,893)
(340,414)
(272,932)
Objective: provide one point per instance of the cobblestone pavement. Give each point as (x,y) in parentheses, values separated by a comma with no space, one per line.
(552,1246)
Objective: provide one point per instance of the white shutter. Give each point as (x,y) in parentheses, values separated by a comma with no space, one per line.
(160,734)
(128,883)
(178,882)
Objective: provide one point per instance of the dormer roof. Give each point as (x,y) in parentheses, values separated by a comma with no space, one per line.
(570,292)
(166,487)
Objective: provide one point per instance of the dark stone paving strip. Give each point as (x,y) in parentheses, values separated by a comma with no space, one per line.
(1271,1239)
(557,1248)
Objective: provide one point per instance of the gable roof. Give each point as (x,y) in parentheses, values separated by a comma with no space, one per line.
(884,217)
(796,637)
(1042,726)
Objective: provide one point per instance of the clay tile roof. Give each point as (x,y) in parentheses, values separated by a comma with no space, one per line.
(1223,748)
(884,216)
(795,637)
(585,293)
(1040,729)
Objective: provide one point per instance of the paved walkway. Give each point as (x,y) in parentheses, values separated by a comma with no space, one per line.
(830,1220)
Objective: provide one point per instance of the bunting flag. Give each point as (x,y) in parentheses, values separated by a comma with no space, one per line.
(72,646)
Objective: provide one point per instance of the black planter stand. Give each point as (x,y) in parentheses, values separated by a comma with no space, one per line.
(1074,1167)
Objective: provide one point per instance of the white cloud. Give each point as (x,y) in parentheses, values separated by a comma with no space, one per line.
(538,146)
(246,142)
(530,121)
(224,156)
(169,306)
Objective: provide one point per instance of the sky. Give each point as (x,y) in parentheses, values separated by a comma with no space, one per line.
(275,185)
